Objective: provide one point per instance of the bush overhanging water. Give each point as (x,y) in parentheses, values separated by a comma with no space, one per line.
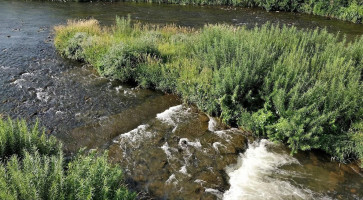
(301,87)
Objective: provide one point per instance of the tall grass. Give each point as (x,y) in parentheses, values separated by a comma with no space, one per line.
(33,167)
(301,87)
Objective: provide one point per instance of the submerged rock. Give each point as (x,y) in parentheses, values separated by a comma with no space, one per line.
(178,156)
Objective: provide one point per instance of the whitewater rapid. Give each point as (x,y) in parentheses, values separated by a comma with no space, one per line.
(263,171)
(253,176)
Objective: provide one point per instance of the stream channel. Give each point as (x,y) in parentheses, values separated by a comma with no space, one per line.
(168,150)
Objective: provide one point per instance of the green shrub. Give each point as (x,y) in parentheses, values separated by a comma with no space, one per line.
(92,177)
(298,86)
(356,144)
(44,177)
(84,27)
(74,47)
(16,136)
(34,176)
(33,167)
(122,59)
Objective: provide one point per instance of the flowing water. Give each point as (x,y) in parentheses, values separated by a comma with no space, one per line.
(168,150)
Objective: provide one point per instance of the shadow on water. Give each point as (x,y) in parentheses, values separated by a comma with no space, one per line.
(168,150)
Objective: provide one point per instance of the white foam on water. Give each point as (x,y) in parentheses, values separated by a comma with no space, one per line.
(174,129)
(4,68)
(216,146)
(217,193)
(195,144)
(172,180)
(223,134)
(251,177)
(167,150)
(19,83)
(41,95)
(212,124)
(184,170)
(103,118)
(185,143)
(212,127)
(135,136)
(199,181)
(132,140)
(167,115)
(129,93)
(27,74)
(118,88)
(59,112)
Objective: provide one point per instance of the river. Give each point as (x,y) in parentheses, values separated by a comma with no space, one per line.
(168,150)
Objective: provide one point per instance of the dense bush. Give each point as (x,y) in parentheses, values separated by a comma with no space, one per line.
(348,10)
(33,167)
(298,86)
(16,137)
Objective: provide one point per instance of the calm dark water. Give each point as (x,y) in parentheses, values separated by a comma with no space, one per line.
(168,151)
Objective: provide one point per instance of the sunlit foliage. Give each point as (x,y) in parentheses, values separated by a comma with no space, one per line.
(32,166)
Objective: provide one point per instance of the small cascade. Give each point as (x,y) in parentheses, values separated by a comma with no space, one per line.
(252,176)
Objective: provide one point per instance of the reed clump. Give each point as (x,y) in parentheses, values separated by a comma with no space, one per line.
(32,166)
(302,87)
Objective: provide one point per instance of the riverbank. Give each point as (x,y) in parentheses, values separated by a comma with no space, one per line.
(351,10)
(297,86)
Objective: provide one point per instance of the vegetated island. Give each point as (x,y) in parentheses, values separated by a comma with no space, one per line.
(301,87)
(347,10)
